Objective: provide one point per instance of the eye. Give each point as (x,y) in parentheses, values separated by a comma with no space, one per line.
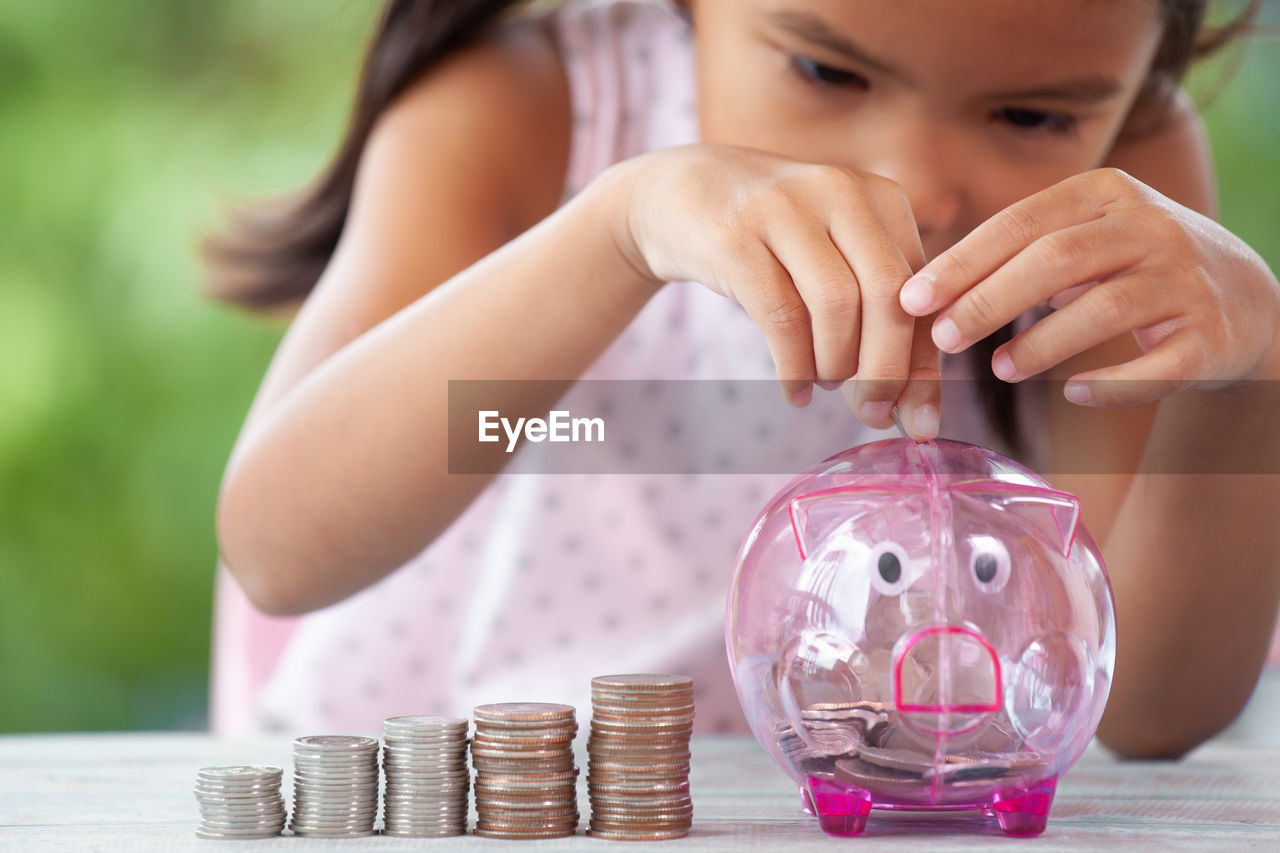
(1037,120)
(888,564)
(826,75)
(989,563)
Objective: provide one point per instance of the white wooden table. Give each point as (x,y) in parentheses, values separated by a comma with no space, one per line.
(134,792)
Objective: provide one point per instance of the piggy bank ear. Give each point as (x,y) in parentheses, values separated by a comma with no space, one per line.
(1051,515)
(817,515)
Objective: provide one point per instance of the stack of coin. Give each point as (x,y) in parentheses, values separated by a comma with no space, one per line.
(638,753)
(425,759)
(526,781)
(239,802)
(335,786)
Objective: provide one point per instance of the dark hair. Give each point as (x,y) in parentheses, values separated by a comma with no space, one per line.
(272,254)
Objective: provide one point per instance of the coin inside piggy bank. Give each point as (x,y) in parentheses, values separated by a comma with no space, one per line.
(922,626)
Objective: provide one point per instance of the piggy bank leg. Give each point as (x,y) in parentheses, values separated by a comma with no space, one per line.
(1024,812)
(841,809)
(806,802)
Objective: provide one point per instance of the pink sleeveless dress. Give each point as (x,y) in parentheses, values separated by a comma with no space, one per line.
(548,580)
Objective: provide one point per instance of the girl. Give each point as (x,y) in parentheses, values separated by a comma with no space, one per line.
(710,189)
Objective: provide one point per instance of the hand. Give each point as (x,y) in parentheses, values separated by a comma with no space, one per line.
(1111,255)
(815,254)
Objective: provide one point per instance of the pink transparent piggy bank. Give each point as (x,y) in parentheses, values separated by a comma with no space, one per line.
(922,626)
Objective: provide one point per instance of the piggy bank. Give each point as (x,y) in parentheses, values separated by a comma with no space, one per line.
(922,626)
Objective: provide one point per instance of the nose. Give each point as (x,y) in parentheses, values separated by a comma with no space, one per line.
(946,678)
(921,161)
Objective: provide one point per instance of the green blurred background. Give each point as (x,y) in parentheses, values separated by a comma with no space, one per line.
(126,128)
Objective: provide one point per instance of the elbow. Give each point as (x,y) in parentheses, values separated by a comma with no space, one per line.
(246,547)
(1148,746)
(1151,735)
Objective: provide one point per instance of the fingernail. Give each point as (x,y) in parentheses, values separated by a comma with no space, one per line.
(946,335)
(829,384)
(1078,393)
(875,412)
(1002,366)
(801,398)
(916,295)
(924,421)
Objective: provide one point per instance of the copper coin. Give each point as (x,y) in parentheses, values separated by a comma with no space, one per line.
(640,832)
(523,711)
(642,682)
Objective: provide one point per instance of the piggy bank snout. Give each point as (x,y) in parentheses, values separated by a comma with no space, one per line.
(946,678)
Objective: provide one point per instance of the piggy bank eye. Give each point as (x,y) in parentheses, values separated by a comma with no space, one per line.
(989,563)
(888,564)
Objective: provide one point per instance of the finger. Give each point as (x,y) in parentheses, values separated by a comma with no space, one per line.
(1097,316)
(1063,298)
(884,351)
(893,210)
(1053,263)
(1170,367)
(990,245)
(884,357)
(830,292)
(921,399)
(765,290)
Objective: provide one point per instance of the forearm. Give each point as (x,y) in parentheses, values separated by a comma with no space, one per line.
(1195,561)
(347,476)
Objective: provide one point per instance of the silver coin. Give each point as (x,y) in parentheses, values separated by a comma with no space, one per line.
(364,774)
(431,764)
(440,790)
(333,819)
(235,809)
(425,748)
(324,833)
(907,760)
(353,801)
(215,835)
(337,765)
(414,832)
(242,826)
(235,785)
(410,806)
(431,723)
(873,778)
(326,815)
(265,795)
(335,742)
(238,772)
(428,783)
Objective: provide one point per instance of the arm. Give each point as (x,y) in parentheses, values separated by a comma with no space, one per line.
(340,473)
(1194,559)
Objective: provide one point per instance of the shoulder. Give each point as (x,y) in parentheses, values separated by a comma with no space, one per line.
(472,154)
(493,117)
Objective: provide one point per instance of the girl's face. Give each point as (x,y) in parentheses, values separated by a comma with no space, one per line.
(969,106)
